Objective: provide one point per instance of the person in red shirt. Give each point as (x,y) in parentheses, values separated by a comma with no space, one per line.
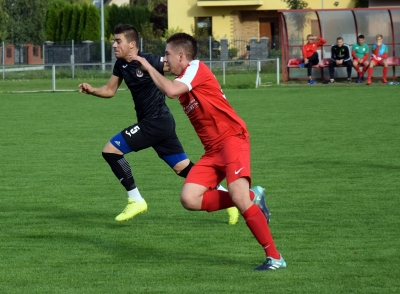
(225,139)
(379,55)
(310,55)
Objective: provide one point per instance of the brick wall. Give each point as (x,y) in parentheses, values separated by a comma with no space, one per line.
(246,25)
(33,54)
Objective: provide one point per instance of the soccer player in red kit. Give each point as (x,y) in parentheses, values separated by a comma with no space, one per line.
(379,55)
(155,125)
(226,142)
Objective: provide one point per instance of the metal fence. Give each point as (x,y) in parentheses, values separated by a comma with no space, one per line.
(54,60)
(91,51)
(57,77)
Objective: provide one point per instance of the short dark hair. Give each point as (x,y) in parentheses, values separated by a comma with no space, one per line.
(130,32)
(186,42)
(360,37)
(339,38)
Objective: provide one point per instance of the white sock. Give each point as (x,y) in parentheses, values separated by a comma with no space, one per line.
(221,188)
(135,195)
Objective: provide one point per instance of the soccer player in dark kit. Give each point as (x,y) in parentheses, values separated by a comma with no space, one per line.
(155,125)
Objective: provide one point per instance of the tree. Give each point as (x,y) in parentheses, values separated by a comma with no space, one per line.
(3,22)
(92,24)
(26,20)
(296,4)
(134,15)
(82,22)
(80,2)
(150,4)
(74,27)
(66,22)
(361,3)
(159,18)
(52,20)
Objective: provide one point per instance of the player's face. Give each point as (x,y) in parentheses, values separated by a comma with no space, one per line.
(310,39)
(379,40)
(360,41)
(339,43)
(173,59)
(121,46)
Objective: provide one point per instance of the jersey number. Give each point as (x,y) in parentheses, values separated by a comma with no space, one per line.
(132,131)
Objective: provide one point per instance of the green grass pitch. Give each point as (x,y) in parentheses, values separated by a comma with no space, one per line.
(329,158)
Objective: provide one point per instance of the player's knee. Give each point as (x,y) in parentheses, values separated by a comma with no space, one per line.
(183,172)
(191,201)
(187,201)
(110,148)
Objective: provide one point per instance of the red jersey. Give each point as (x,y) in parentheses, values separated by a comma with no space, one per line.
(211,115)
(309,49)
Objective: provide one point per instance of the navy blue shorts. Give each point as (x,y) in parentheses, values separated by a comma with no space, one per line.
(158,133)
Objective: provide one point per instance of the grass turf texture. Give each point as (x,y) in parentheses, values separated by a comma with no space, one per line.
(329,160)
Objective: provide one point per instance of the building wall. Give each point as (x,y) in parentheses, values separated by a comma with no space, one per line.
(118,2)
(235,21)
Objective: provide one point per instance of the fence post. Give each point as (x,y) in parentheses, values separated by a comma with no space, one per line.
(210,49)
(3,61)
(223,72)
(53,77)
(224,55)
(73,59)
(277,71)
(258,78)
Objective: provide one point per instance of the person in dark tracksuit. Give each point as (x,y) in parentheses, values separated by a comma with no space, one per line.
(340,56)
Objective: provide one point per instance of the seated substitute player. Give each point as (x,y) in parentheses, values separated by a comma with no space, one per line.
(310,55)
(225,139)
(340,56)
(155,127)
(359,51)
(379,55)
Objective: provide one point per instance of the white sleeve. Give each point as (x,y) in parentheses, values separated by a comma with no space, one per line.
(190,73)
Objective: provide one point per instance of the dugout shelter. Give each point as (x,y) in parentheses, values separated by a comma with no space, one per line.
(332,23)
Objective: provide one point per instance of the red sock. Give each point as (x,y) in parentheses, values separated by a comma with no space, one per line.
(357,68)
(257,224)
(369,72)
(365,68)
(385,70)
(215,200)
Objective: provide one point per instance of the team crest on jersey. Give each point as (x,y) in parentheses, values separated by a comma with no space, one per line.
(139,73)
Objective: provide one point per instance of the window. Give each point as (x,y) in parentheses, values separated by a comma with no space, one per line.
(203,26)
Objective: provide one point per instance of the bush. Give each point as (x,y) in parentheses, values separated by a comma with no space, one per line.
(275,53)
(233,52)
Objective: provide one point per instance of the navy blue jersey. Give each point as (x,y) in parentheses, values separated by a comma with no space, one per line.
(149,100)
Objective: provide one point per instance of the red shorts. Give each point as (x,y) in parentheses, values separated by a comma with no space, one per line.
(378,62)
(231,160)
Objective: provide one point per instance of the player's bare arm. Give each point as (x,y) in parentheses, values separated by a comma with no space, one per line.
(106,91)
(171,88)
